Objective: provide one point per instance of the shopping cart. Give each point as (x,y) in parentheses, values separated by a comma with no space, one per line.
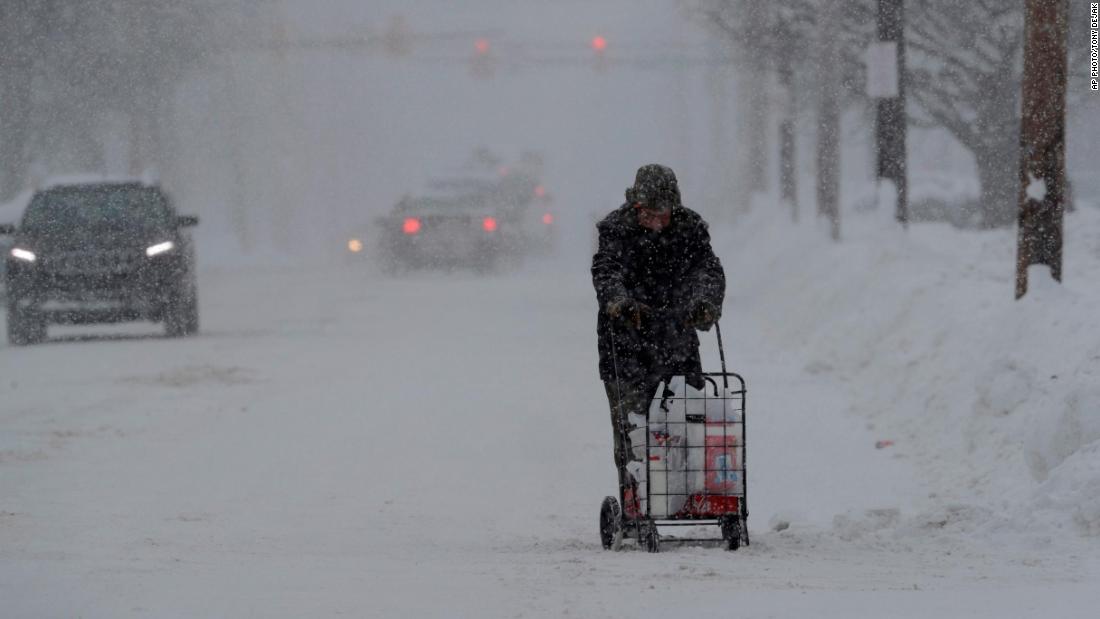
(690,470)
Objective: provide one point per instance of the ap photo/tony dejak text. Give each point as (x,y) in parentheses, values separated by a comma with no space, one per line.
(1094,34)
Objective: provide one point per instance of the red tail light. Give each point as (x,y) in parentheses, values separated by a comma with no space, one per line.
(548,219)
(411,225)
(540,191)
(489,224)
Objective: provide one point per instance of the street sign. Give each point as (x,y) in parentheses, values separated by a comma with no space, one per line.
(882,69)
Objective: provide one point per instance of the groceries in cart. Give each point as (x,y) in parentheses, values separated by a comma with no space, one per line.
(692,448)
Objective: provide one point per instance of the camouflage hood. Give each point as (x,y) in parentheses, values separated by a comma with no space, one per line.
(654,186)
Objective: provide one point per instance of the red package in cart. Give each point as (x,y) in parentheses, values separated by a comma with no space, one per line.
(723,459)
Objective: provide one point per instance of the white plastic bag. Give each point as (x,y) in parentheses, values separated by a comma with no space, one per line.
(724,407)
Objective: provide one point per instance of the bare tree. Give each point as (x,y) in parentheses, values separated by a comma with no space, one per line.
(814,46)
(965,74)
(85,60)
(19,25)
(745,24)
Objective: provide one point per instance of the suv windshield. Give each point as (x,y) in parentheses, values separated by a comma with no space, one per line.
(117,206)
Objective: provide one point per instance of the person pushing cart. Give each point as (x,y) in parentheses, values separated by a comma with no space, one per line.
(657,282)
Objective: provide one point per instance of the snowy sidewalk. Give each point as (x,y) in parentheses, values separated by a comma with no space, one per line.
(336,443)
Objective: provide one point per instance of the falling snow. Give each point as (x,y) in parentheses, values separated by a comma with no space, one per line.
(385,216)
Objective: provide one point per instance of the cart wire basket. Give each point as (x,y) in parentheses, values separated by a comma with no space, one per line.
(686,464)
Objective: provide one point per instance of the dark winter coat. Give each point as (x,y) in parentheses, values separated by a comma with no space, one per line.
(669,271)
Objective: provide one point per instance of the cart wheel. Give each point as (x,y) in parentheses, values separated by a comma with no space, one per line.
(651,539)
(731,532)
(611,524)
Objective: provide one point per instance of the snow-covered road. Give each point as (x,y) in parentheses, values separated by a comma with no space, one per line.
(339,443)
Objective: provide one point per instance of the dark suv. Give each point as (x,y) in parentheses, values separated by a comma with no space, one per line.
(100,252)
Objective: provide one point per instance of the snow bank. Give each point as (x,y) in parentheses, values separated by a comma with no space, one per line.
(996,400)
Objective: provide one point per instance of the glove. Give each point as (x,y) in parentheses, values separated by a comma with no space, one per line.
(629,309)
(702,315)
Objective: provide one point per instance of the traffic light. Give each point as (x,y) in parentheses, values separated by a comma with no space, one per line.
(481,65)
(599,46)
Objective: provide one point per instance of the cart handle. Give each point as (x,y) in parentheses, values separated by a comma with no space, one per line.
(721,355)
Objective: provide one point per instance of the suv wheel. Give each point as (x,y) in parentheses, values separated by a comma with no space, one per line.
(24,328)
(182,316)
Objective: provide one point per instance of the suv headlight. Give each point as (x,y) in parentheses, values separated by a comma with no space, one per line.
(23,254)
(159,248)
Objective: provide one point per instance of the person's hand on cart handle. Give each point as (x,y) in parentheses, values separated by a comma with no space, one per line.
(702,315)
(629,309)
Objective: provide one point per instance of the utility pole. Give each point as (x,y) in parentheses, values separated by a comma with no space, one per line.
(283,215)
(233,116)
(828,123)
(757,112)
(143,101)
(890,122)
(788,180)
(16,92)
(1042,141)
(720,183)
(752,107)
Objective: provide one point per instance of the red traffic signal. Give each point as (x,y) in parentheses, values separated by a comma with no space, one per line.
(599,43)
